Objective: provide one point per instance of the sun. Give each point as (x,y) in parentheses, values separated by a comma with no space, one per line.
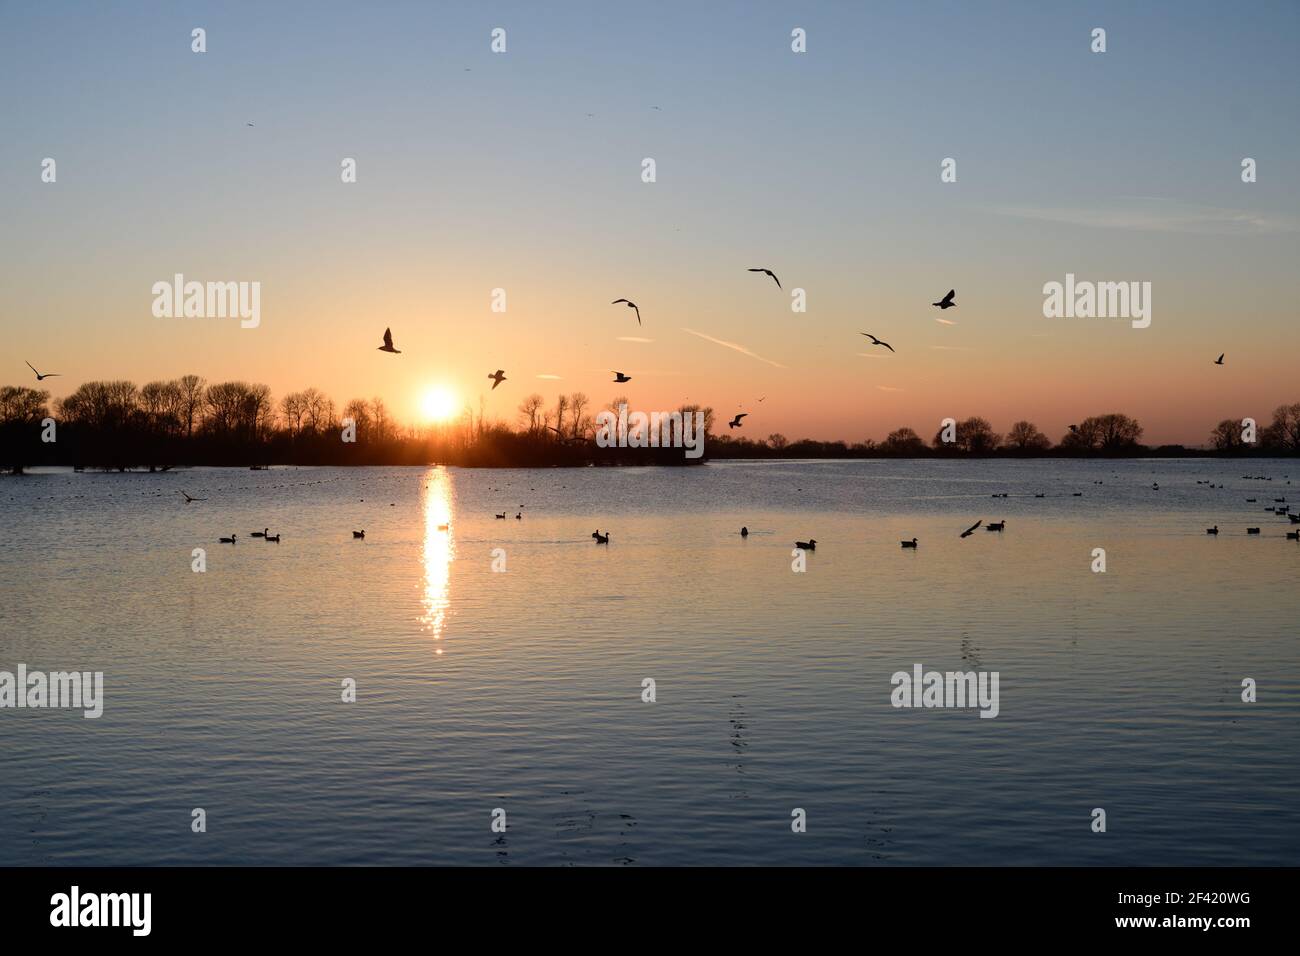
(438,404)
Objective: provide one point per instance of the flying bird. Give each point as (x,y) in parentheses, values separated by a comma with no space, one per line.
(946,302)
(631,305)
(971,530)
(388,343)
(497,377)
(771,273)
(876,341)
(188,499)
(735,422)
(1217,361)
(39,376)
(620,377)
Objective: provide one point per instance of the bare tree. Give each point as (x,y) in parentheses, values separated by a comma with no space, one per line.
(191,402)
(1025,436)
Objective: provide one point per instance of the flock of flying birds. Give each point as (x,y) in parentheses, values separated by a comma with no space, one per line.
(499,375)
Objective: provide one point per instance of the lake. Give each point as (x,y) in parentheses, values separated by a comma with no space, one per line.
(521,689)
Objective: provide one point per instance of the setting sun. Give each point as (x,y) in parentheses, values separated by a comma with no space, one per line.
(437,404)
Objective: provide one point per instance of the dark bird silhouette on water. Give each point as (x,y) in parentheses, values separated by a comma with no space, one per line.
(497,377)
(771,273)
(501,516)
(620,377)
(809,545)
(358,534)
(260,534)
(1219,360)
(908,544)
(631,305)
(1214,530)
(600,538)
(946,302)
(735,422)
(230,540)
(744,532)
(876,341)
(388,343)
(188,499)
(971,530)
(996,525)
(39,376)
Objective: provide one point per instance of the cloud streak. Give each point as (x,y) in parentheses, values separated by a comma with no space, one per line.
(1152,214)
(733,345)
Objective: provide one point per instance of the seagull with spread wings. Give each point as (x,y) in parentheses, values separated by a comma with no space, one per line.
(771,273)
(631,305)
(39,376)
(876,341)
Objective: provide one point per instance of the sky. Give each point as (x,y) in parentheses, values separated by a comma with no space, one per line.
(479,170)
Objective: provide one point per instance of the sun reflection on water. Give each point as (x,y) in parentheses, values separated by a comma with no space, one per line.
(439,549)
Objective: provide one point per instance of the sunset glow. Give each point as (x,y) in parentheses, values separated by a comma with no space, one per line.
(438,404)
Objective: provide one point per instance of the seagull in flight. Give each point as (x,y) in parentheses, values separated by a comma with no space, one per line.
(771,273)
(946,302)
(620,377)
(876,341)
(735,422)
(497,378)
(630,305)
(388,343)
(188,499)
(971,530)
(39,376)
(1217,361)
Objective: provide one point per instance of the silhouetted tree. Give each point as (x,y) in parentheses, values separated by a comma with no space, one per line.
(1025,436)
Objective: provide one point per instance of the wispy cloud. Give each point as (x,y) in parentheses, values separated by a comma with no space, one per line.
(1152,214)
(733,345)
(549,376)
(952,348)
(888,388)
(870,355)
(633,338)
(945,321)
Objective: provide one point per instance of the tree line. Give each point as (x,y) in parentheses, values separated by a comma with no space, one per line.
(187,421)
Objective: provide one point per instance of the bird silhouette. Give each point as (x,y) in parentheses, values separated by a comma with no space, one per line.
(735,422)
(188,499)
(39,376)
(497,377)
(909,544)
(631,305)
(809,545)
(971,530)
(946,302)
(358,534)
(1219,360)
(771,273)
(388,343)
(620,377)
(230,540)
(600,538)
(876,341)
(996,525)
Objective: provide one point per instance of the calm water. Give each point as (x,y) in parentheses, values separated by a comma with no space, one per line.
(522,689)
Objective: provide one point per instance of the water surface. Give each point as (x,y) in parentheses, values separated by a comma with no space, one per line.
(522,690)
